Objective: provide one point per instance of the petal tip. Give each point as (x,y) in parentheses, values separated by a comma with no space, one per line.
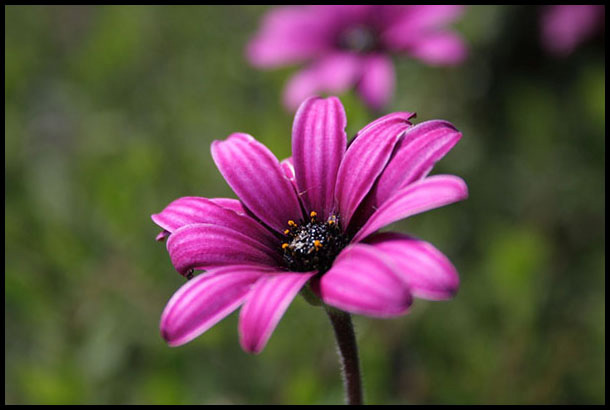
(463,188)
(156,218)
(251,348)
(169,339)
(162,235)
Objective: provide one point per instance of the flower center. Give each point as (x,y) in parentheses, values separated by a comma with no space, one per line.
(313,246)
(360,39)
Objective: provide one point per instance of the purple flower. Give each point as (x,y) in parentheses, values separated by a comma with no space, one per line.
(349,46)
(310,222)
(565,27)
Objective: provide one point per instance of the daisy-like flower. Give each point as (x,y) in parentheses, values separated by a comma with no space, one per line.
(310,222)
(348,46)
(564,27)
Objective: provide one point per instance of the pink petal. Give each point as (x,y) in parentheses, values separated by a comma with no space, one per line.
(266,306)
(161,236)
(203,246)
(233,204)
(289,35)
(189,210)
(420,148)
(318,145)
(428,193)
(413,21)
(413,158)
(365,159)
(377,83)
(331,74)
(258,180)
(429,274)
(442,48)
(205,300)
(288,168)
(362,281)
(344,15)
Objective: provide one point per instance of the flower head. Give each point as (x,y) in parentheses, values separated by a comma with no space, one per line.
(311,220)
(565,27)
(349,46)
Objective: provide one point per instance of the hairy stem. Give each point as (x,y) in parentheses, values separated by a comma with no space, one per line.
(348,351)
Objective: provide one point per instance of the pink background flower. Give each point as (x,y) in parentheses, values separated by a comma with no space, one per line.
(350,46)
(565,27)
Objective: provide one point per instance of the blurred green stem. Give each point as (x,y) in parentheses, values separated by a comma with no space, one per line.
(348,351)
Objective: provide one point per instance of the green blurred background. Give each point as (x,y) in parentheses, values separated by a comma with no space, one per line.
(110,112)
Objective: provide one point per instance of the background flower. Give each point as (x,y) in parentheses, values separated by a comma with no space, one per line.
(347,46)
(565,27)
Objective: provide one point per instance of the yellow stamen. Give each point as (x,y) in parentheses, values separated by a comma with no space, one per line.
(331,222)
(291,223)
(317,244)
(285,245)
(313,214)
(287,231)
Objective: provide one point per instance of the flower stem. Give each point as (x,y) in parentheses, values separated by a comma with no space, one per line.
(348,351)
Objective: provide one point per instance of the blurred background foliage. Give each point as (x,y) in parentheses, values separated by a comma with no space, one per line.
(109,116)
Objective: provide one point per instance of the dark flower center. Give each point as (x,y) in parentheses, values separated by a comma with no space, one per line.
(313,246)
(360,39)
